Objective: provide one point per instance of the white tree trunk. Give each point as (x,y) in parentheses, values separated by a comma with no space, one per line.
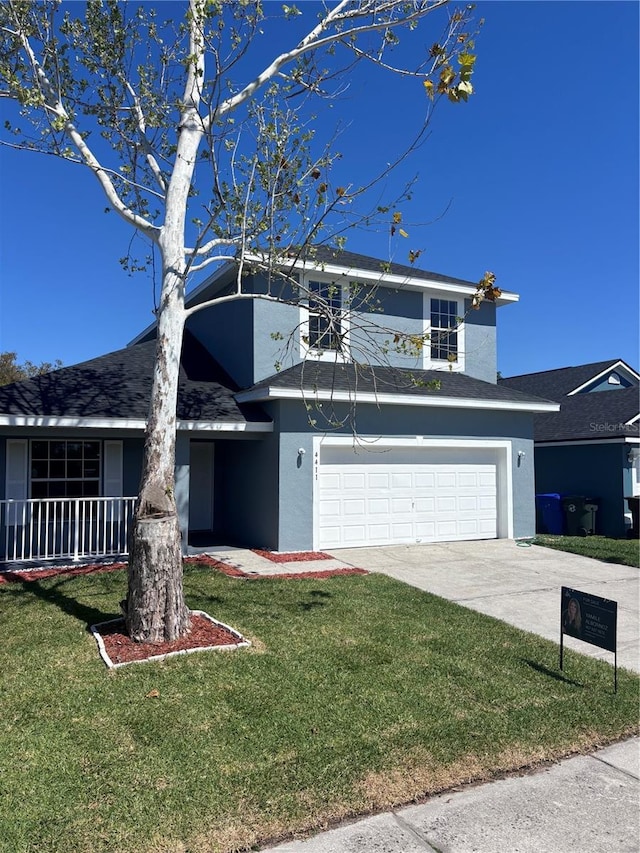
(156,610)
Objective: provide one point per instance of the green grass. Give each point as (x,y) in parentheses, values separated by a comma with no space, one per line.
(624,551)
(359,693)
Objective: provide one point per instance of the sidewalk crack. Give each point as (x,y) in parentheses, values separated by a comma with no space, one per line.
(615,767)
(419,836)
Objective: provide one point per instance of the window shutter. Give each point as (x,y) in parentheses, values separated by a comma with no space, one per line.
(112,476)
(17,479)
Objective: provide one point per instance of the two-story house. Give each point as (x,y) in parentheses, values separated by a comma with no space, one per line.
(298,428)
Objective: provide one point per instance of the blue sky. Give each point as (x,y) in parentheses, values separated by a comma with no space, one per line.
(536,179)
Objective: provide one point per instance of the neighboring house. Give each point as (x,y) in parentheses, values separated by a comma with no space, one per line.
(427,464)
(591,446)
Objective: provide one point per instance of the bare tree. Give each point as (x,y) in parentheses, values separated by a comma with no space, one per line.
(207,168)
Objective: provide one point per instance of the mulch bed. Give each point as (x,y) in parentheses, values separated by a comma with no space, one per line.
(294,557)
(117,649)
(35,574)
(30,575)
(234,572)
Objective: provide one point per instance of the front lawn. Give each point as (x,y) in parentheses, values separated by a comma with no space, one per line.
(624,551)
(358,693)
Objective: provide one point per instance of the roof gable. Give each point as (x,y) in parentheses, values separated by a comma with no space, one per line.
(559,383)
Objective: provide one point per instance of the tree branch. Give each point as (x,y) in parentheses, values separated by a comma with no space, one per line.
(313,41)
(142,127)
(52,104)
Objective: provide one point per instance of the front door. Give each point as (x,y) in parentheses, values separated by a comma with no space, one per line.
(201,486)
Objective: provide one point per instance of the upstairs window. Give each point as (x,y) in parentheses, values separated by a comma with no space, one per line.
(65,469)
(443,331)
(325,316)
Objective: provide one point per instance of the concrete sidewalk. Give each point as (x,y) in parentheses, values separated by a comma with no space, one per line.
(588,803)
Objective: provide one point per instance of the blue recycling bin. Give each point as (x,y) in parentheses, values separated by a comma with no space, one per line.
(550,516)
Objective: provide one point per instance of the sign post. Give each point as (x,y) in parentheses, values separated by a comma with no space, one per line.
(591,619)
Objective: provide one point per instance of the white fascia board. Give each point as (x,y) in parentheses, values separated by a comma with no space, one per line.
(49,422)
(260,395)
(615,366)
(387,279)
(633,420)
(222,426)
(582,441)
(406,282)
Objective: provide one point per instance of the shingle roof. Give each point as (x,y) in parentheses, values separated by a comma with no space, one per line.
(601,415)
(329,376)
(555,384)
(596,415)
(118,386)
(353,260)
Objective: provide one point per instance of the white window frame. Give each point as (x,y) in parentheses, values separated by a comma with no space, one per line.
(440,363)
(66,441)
(306,350)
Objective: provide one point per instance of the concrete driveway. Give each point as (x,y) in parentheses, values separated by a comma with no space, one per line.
(520,585)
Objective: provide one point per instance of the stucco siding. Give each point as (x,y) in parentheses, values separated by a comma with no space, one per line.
(226,331)
(480,342)
(276,338)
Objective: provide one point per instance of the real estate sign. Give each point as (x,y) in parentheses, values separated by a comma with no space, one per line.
(589,618)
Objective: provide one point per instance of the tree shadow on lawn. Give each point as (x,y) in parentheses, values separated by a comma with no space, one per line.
(318,599)
(67,603)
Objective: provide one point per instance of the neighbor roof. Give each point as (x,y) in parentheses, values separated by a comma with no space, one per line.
(117,386)
(556,384)
(603,415)
(590,416)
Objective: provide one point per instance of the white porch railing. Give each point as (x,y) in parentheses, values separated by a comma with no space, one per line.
(69,528)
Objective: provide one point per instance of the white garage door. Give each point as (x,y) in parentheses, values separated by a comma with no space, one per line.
(394,504)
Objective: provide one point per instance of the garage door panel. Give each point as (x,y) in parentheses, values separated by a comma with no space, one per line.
(378,506)
(401,506)
(468,503)
(402,532)
(425,505)
(329,508)
(402,480)
(425,530)
(378,480)
(379,533)
(352,480)
(330,481)
(354,507)
(361,504)
(446,480)
(446,504)
(354,532)
(424,479)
